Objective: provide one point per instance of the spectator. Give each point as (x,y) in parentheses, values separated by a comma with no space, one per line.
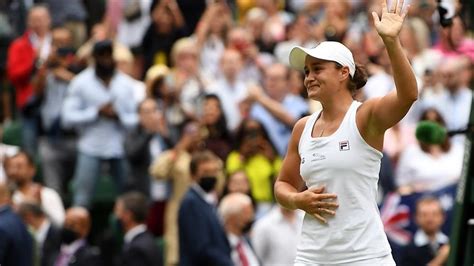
(275,108)
(218,138)
(428,166)
(237,213)
(5,152)
(74,248)
(16,245)
(46,235)
(210,37)
(275,236)
(201,236)
(98,102)
(167,26)
(429,246)
(255,154)
(57,148)
(230,88)
(146,142)
(25,56)
(173,166)
(20,170)
(139,244)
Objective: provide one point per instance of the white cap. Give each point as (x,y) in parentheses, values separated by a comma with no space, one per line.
(330,51)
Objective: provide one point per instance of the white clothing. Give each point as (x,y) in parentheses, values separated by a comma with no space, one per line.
(425,172)
(274,237)
(348,167)
(248,251)
(131,33)
(382,261)
(6,151)
(50,202)
(230,96)
(378,85)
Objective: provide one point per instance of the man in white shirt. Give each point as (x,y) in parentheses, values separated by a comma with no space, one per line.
(21,169)
(237,213)
(275,236)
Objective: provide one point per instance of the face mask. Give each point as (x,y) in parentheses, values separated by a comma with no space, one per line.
(208,183)
(68,236)
(247,227)
(104,70)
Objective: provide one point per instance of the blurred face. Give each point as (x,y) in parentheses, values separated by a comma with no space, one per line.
(162,16)
(209,168)
(187,61)
(231,64)
(239,40)
(39,20)
(276,81)
(238,182)
(245,217)
(19,170)
(320,77)
(212,111)
(148,110)
(450,78)
(429,217)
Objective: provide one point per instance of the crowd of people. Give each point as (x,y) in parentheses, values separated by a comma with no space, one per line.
(186,108)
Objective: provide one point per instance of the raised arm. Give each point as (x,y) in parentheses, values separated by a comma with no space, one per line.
(383,113)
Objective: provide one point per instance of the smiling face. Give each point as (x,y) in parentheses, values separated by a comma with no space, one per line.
(323,78)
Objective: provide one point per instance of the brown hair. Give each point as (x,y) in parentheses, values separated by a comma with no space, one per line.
(201,157)
(358,80)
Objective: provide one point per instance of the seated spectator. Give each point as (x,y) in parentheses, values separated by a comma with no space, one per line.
(16,245)
(20,170)
(237,213)
(276,234)
(47,236)
(427,166)
(429,246)
(74,248)
(202,239)
(140,248)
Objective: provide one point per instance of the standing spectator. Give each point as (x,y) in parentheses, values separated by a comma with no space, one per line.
(256,155)
(25,56)
(72,15)
(99,104)
(275,236)
(173,166)
(140,248)
(57,148)
(230,88)
(145,143)
(74,248)
(20,170)
(429,246)
(46,234)
(166,27)
(202,237)
(16,245)
(237,213)
(275,108)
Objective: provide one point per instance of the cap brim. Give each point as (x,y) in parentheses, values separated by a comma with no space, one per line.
(297,57)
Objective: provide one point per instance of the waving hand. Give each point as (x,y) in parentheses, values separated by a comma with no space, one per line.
(390,24)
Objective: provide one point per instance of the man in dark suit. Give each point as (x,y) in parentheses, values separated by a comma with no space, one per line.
(16,245)
(429,245)
(46,234)
(202,237)
(140,248)
(75,251)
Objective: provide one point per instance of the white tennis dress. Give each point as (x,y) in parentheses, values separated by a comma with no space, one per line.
(347,166)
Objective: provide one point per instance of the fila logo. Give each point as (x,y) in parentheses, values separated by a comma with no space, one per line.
(344,145)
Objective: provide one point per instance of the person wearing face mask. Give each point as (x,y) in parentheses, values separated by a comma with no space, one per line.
(202,238)
(74,247)
(237,213)
(173,166)
(100,105)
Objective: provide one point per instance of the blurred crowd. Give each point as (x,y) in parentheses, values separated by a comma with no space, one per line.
(150,132)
